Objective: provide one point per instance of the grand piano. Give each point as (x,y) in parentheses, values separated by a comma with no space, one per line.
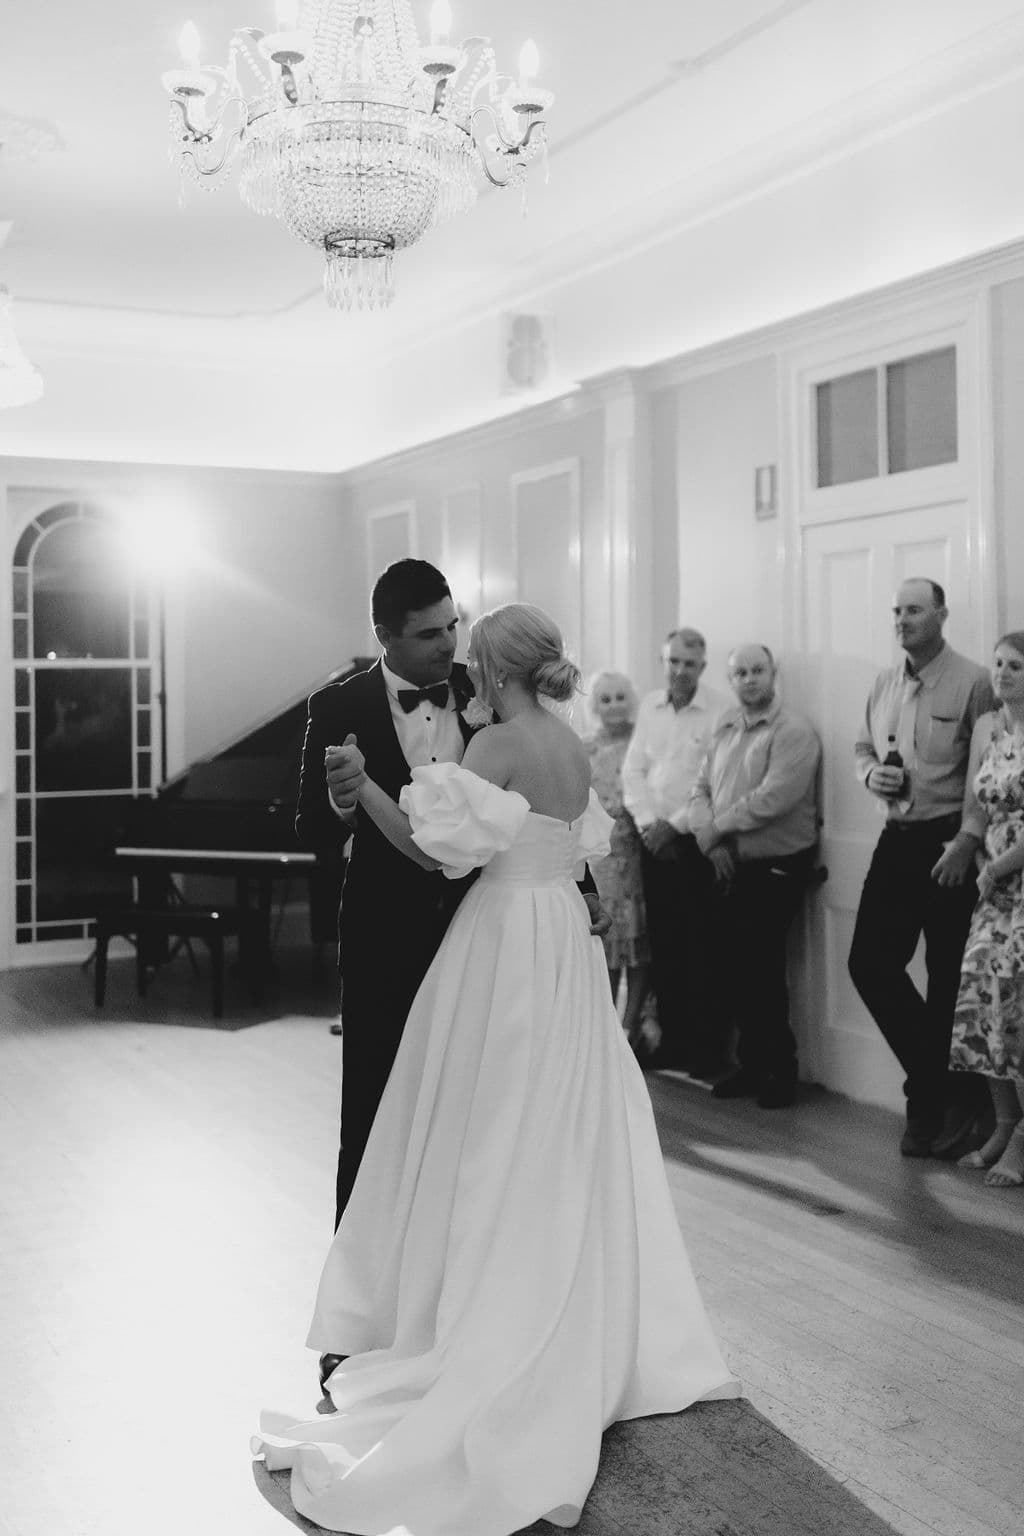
(231,815)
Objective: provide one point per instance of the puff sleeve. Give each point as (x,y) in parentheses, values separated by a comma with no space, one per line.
(460,819)
(594,831)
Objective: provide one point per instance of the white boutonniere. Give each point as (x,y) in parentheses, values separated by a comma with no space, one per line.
(477,713)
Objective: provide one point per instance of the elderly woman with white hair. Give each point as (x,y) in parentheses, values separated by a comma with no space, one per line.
(612,704)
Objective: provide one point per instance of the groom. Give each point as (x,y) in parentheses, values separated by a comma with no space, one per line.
(405,712)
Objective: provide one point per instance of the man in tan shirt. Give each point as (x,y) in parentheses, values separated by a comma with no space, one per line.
(921,878)
(754,814)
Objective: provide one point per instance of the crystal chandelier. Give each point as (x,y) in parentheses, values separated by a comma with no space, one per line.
(20,383)
(350,132)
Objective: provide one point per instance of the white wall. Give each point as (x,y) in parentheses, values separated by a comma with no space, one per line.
(482,467)
(729,578)
(1008,413)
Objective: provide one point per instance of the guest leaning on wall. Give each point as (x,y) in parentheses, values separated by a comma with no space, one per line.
(754,814)
(921,879)
(988,1026)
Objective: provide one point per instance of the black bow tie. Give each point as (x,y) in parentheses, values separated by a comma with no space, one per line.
(410,697)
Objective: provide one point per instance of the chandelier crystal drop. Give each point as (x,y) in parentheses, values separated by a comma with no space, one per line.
(353,134)
(20,382)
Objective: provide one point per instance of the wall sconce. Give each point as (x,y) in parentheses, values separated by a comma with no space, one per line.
(765,505)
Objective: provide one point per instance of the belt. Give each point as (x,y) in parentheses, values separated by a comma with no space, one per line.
(786,863)
(932,827)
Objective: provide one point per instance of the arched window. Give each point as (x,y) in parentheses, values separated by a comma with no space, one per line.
(83,698)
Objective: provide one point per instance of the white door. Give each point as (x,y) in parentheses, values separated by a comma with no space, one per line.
(851,569)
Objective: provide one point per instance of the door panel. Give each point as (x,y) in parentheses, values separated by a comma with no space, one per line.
(851,570)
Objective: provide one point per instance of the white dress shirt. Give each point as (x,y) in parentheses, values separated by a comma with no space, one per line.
(664,757)
(425,734)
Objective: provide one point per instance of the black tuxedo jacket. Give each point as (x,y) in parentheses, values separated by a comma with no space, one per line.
(385,893)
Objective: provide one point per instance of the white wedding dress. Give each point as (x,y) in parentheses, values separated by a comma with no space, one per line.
(509,1278)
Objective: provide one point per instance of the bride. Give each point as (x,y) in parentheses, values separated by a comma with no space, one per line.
(508,1278)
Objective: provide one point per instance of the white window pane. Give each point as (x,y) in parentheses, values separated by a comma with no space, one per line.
(848,428)
(921,408)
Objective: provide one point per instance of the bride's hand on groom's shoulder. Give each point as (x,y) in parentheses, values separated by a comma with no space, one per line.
(345,769)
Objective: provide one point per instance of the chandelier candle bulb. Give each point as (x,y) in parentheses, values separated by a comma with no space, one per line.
(189,85)
(188,47)
(529,65)
(526,97)
(440,22)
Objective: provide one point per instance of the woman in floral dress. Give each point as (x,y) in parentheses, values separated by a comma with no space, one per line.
(988,1030)
(612,702)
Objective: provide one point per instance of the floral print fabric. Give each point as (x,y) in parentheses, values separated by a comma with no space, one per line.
(988,1028)
(617,877)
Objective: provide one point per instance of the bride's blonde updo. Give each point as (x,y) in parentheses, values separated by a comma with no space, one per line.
(520,640)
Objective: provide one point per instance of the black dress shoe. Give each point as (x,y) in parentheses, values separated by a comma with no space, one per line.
(738,1085)
(917,1139)
(328,1365)
(658,1060)
(777,1093)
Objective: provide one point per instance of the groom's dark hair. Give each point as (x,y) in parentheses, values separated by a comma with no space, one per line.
(404,587)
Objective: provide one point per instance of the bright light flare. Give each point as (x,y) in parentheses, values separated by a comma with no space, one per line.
(188,45)
(160,540)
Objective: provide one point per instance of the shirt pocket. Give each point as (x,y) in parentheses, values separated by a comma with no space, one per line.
(694,752)
(940,741)
(756,761)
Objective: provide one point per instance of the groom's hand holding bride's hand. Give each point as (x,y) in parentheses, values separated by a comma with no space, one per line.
(600,920)
(344,767)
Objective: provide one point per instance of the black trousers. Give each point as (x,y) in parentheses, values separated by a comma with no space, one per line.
(379,979)
(684,973)
(900,902)
(754,917)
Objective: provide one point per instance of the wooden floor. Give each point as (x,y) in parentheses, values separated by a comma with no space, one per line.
(165,1207)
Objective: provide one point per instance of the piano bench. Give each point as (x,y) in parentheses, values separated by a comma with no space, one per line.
(146,924)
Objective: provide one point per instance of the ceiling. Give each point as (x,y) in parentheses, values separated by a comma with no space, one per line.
(663,109)
(99,223)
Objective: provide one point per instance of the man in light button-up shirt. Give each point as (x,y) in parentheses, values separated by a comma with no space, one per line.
(673,729)
(754,814)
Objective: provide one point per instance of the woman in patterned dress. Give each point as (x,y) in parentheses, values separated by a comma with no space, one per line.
(612,701)
(988,1030)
